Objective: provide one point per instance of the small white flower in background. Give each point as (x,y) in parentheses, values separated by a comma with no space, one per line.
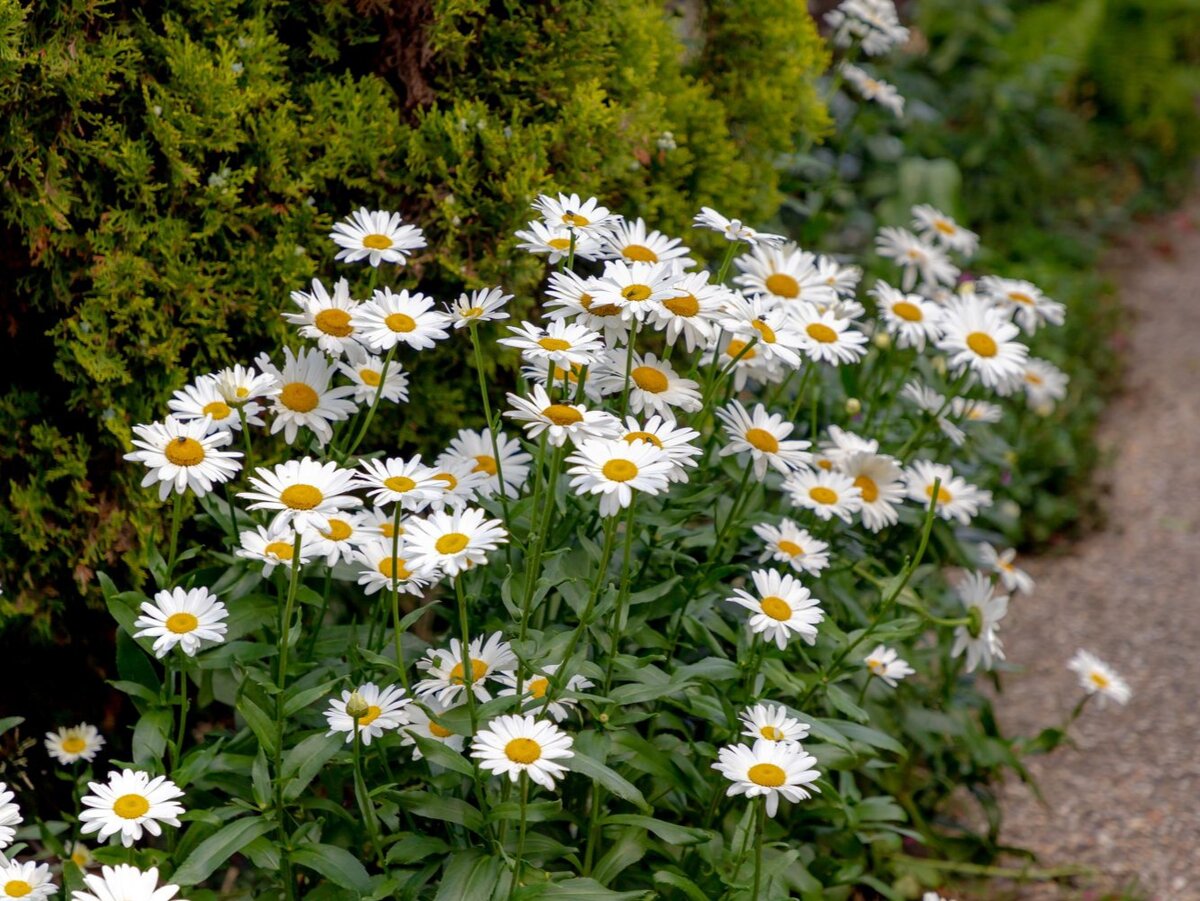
(966,409)
(770,323)
(783,608)
(734,229)
(305,492)
(273,546)
(1097,677)
(369,709)
(874,89)
(129,803)
(772,723)
(565,344)
(979,639)
(747,363)
(887,665)
(184,456)
(873,22)
(978,337)
(826,338)
(395,480)
(445,675)
(826,492)
(1002,564)
(458,483)
(570,295)
(305,397)
(1023,301)
(934,225)
(691,310)
(10,816)
(453,541)
(71,743)
(559,420)
(239,385)
(515,745)
(956,498)
(555,242)
(25,880)
(915,257)
(125,883)
(79,855)
(934,896)
(839,445)
(636,289)
(771,769)
(184,618)
(909,318)
(673,439)
(654,385)
(881,481)
(426,724)
(790,544)
(382,570)
(476,448)
(378,237)
(390,318)
(483,305)
(535,687)
(764,436)
(346,533)
(1045,384)
(324,318)
(569,211)
(843,279)
(204,398)
(632,242)
(929,401)
(615,469)
(366,371)
(786,274)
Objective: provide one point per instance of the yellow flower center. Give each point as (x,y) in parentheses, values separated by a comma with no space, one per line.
(819,331)
(560,243)
(606,309)
(782,285)
(875,665)
(485,463)
(944,496)
(946,228)
(553,344)
(639,253)
(538,686)
(561,414)
(339,530)
(1033,378)
(620,470)
(377,242)
(771,733)
(791,548)
(451,543)
(369,377)
(1099,679)
(650,379)
(767,775)
(242,391)
(184,451)
(776,608)
(299,397)
(982,343)
(81,858)
(761,439)
(636,293)
(74,744)
(369,717)
(301,497)
(217,409)
(334,322)
(399,484)
(438,730)
(182,623)
(280,549)
(575,219)
(1020,297)
(823,495)
(394,568)
(736,347)
(479,669)
(870,491)
(451,482)
(767,333)
(910,312)
(400,322)
(643,436)
(683,306)
(522,750)
(130,807)
(17,888)
(472,313)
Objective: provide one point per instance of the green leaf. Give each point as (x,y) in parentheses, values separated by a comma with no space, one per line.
(219,847)
(260,780)
(579,889)
(336,864)
(435,807)
(629,848)
(10,722)
(305,698)
(260,723)
(444,756)
(671,833)
(617,784)
(681,882)
(411,849)
(471,874)
(150,735)
(302,763)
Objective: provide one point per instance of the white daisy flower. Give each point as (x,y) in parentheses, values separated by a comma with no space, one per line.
(304,397)
(748,363)
(654,385)
(764,436)
(631,242)
(881,481)
(204,398)
(934,225)
(383,711)
(1023,301)
(477,448)
(1044,383)
(184,618)
(839,445)
(673,439)
(559,420)
(873,22)
(483,305)
(825,338)
(566,344)
(129,803)
(782,608)
(570,295)
(426,724)
(772,325)
(967,409)
(516,745)
(785,275)
(615,469)
(304,492)
(979,640)
(1003,565)
(10,816)
(125,883)
(827,493)
(29,880)
(453,541)
(445,674)
(909,318)
(378,237)
(929,401)
(380,523)
(388,319)
(326,319)
(979,338)
(1097,677)
(555,243)
(569,211)
(874,89)
(365,370)
(458,482)
(378,569)
(692,310)
(239,385)
(80,855)
(347,533)
(887,665)
(734,229)
(956,498)
(770,722)
(790,544)
(273,546)
(843,279)
(533,690)
(771,769)
(69,744)
(184,455)
(395,480)
(637,289)
(915,257)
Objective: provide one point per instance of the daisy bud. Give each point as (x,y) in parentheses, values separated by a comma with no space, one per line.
(939,365)
(853,406)
(882,340)
(357,706)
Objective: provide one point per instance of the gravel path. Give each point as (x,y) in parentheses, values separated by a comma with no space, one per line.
(1126,801)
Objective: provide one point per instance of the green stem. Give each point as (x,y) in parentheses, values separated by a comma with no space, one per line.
(181,734)
(465,638)
(733,510)
(516,878)
(319,622)
(760,831)
(285,628)
(724,270)
(619,613)
(364,797)
(362,433)
(633,333)
(249,460)
(400,663)
(799,399)
(493,428)
(176,523)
